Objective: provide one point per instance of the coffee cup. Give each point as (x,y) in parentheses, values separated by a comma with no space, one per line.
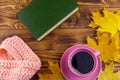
(80,62)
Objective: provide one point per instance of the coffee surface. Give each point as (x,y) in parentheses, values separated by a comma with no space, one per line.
(82,62)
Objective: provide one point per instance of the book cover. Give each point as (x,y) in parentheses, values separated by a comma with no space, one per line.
(42,16)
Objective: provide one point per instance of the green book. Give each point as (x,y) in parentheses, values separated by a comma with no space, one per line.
(43,16)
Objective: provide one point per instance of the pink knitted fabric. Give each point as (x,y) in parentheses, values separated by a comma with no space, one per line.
(17,60)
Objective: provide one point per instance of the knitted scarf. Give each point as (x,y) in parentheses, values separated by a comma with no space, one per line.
(17,60)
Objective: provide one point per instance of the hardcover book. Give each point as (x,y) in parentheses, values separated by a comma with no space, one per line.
(42,16)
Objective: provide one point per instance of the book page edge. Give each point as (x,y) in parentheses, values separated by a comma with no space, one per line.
(51,29)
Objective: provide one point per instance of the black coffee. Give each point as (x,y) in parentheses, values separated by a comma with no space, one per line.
(82,62)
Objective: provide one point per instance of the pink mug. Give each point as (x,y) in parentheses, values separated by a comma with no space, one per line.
(80,62)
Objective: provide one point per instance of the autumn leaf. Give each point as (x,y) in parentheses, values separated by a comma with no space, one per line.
(108,73)
(107,21)
(56,73)
(108,47)
(107,41)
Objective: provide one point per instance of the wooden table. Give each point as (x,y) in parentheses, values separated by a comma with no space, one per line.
(72,31)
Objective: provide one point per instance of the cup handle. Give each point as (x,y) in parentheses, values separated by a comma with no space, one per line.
(97,53)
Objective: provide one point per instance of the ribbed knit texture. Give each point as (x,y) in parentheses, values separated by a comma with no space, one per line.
(17,60)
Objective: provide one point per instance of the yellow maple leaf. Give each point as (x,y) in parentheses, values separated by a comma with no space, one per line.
(108,47)
(56,73)
(108,73)
(107,21)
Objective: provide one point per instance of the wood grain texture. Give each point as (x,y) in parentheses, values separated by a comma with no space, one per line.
(73,31)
